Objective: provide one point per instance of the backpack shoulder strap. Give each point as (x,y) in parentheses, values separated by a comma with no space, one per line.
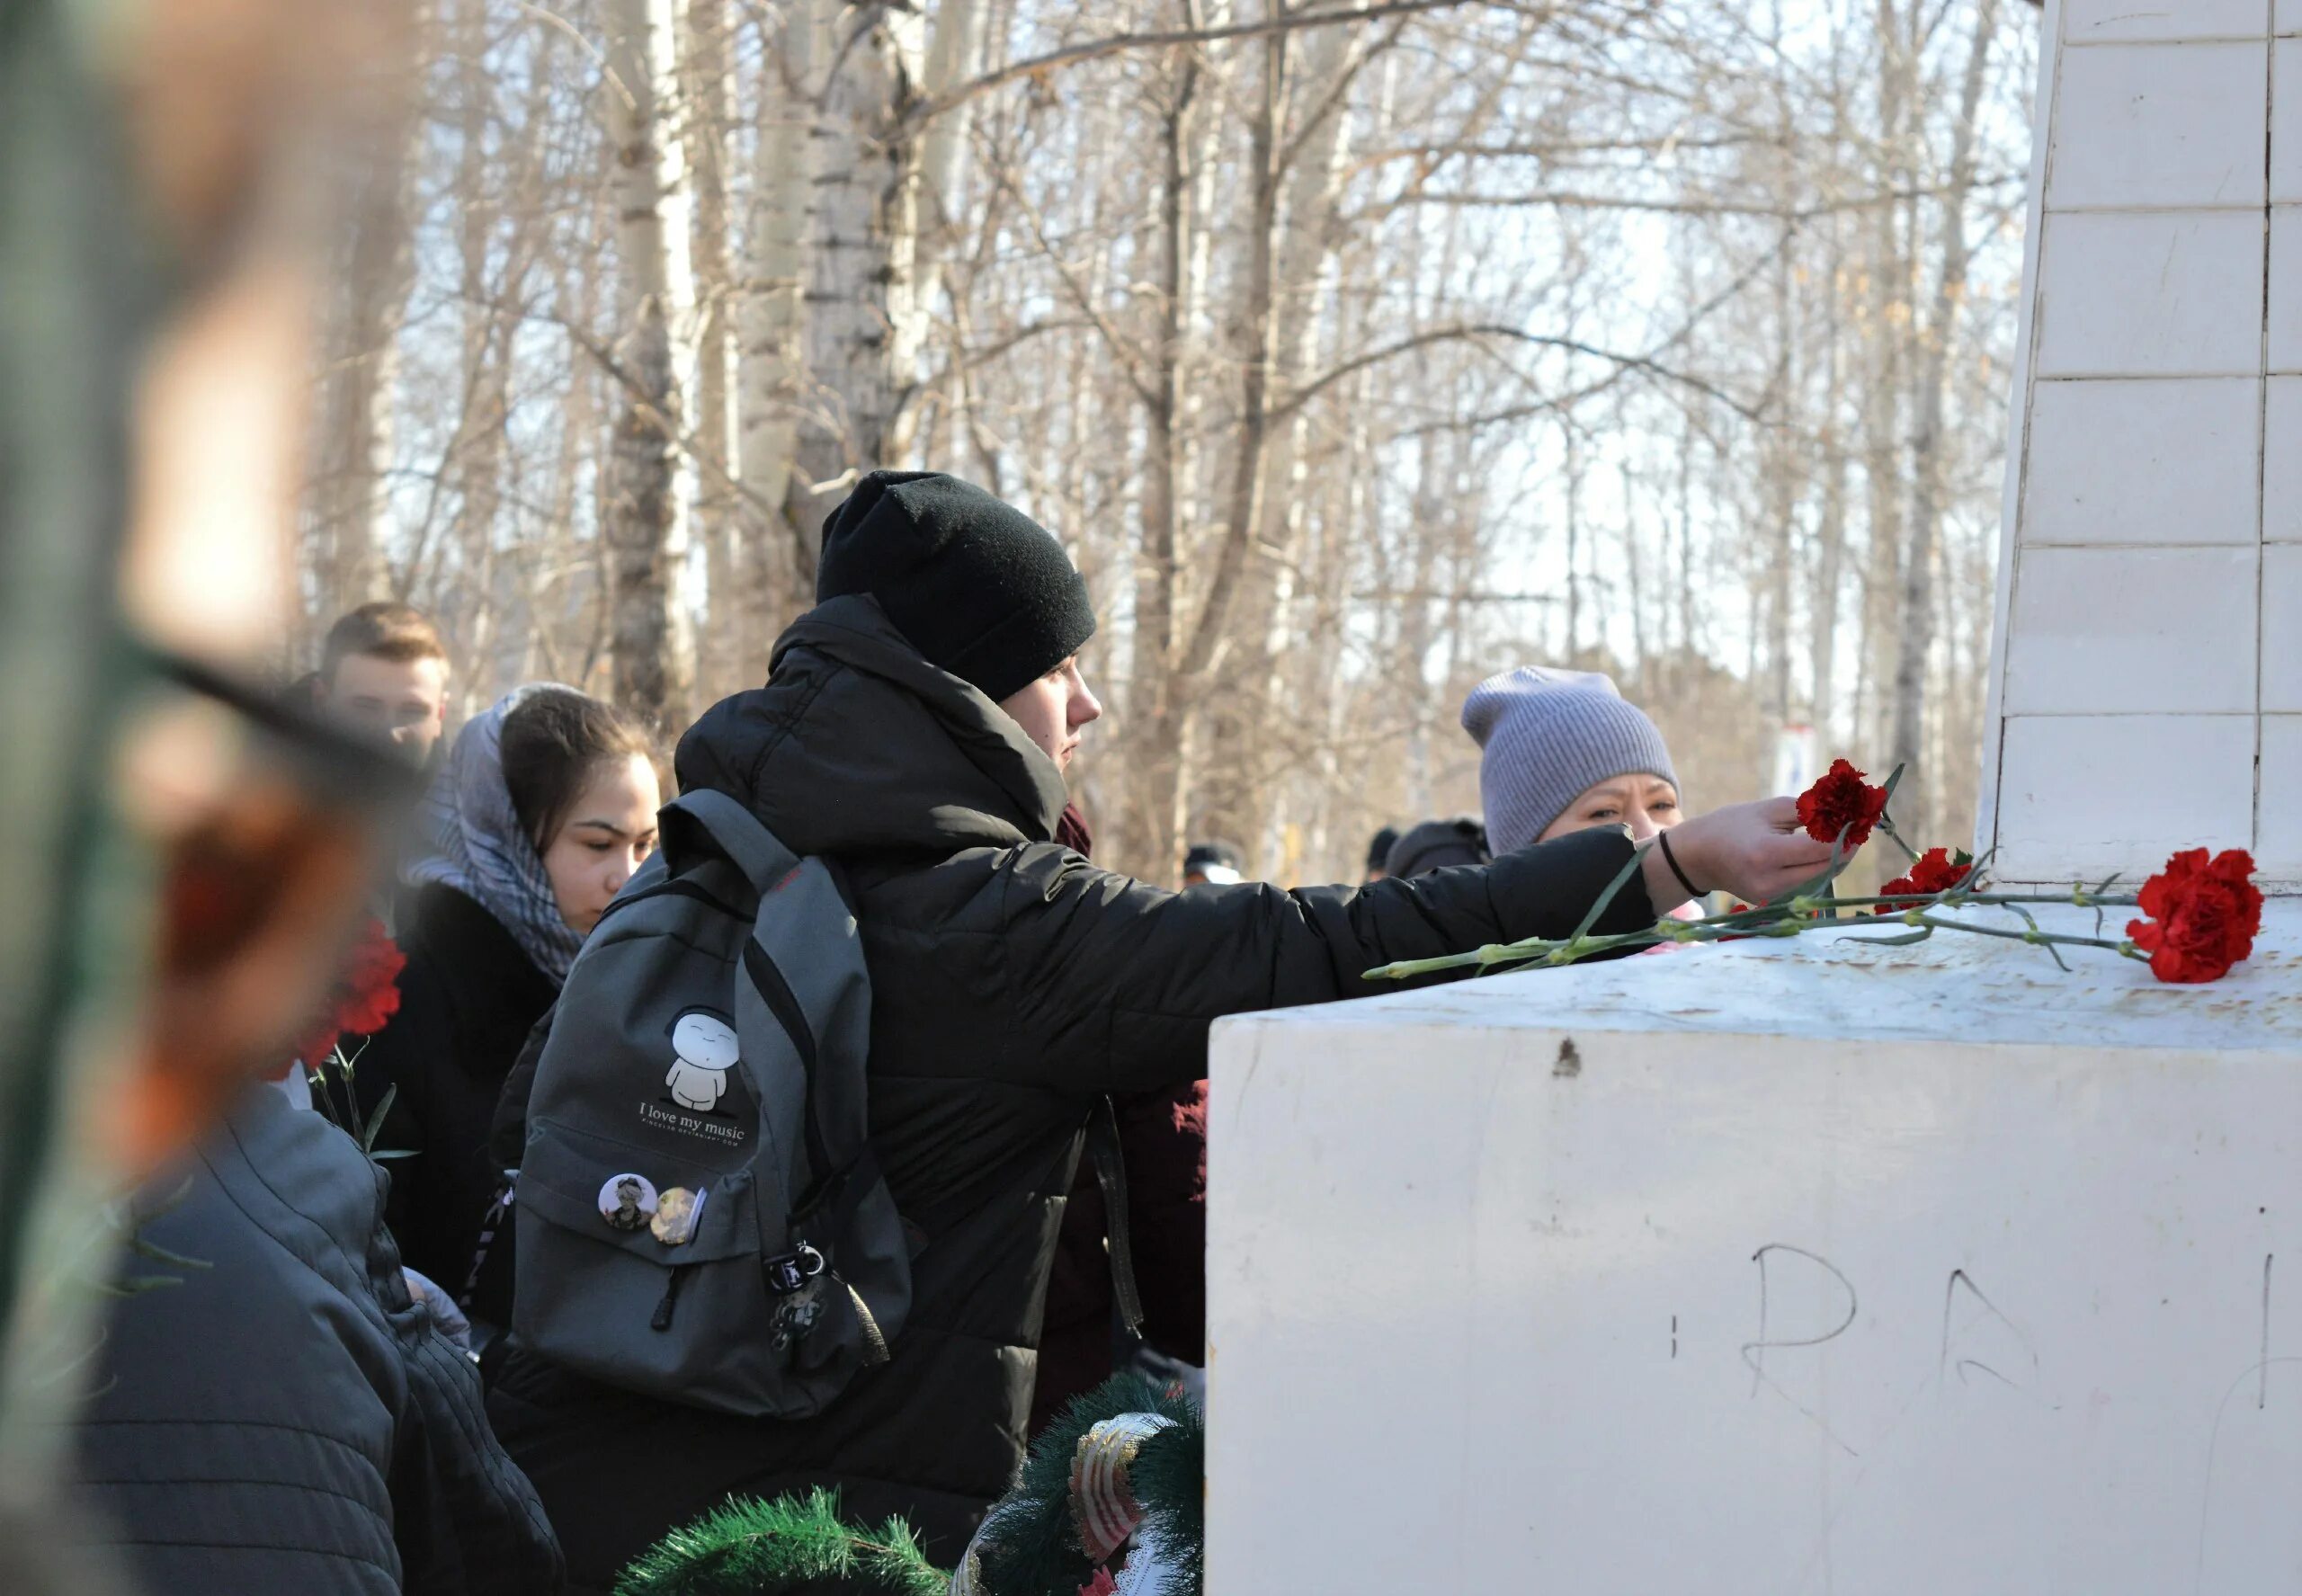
(730,827)
(1111,1175)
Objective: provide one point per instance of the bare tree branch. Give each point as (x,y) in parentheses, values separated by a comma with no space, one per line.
(1119,44)
(1482,331)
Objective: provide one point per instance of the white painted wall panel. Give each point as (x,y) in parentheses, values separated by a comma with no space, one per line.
(2146,125)
(2121,630)
(2282,461)
(2094,22)
(2167,461)
(2285,124)
(2154,294)
(2286,290)
(2083,796)
(2282,628)
(2279,848)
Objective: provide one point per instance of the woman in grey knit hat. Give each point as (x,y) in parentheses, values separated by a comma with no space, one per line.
(1563,751)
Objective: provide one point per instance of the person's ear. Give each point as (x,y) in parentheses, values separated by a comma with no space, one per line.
(257,901)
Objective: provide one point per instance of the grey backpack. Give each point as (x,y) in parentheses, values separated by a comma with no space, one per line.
(700,1218)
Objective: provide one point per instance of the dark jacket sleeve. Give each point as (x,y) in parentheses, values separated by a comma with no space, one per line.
(1117,982)
(507,1135)
(465,1519)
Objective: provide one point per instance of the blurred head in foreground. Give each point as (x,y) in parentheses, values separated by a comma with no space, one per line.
(186,858)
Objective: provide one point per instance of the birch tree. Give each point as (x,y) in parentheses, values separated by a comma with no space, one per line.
(644,523)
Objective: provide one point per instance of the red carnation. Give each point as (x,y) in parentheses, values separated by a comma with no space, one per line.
(1933,871)
(1102,1584)
(1841,801)
(366,993)
(2203,915)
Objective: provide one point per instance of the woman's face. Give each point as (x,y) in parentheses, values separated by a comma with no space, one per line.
(1646,803)
(609,833)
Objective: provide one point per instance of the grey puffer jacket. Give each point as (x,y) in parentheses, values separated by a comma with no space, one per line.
(286,1419)
(1013,983)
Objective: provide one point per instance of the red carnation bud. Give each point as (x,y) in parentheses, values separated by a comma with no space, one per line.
(1931,873)
(1841,801)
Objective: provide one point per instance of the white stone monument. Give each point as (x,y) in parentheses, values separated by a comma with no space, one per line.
(1781,1267)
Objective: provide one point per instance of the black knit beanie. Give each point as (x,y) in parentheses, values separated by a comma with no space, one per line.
(979,587)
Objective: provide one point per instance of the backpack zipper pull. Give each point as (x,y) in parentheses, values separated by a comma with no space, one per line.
(663,1319)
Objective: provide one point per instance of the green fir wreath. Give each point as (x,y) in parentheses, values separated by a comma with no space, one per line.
(1030,1545)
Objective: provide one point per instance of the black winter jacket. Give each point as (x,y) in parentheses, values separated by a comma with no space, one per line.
(467,999)
(1012,984)
(283,1419)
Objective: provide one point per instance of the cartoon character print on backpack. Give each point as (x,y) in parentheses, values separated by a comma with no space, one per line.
(704,1095)
(703,1051)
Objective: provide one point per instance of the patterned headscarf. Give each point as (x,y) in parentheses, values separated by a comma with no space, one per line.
(473,843)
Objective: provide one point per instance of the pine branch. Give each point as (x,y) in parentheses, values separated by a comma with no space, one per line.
(749,1548)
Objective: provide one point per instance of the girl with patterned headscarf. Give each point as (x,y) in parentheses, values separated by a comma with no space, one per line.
(542,809)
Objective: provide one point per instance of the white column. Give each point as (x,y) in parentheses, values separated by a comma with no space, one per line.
(2147,674)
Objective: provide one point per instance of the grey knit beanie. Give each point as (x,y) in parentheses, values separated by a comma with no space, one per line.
(1548,735)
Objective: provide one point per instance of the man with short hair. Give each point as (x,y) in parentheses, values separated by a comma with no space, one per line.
(384,674)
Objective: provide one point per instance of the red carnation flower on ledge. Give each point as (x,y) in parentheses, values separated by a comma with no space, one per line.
(2204,916)
(1933,871)
(1841,801)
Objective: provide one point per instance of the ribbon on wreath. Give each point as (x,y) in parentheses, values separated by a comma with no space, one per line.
(1104,1507)
(1103,1510)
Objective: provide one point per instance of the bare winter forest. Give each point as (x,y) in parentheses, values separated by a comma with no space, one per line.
(1356,350)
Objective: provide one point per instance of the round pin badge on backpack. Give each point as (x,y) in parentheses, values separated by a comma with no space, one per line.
(676,1211)
(627,1201)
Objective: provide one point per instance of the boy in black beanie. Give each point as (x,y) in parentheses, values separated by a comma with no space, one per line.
(979,587)
(914,729)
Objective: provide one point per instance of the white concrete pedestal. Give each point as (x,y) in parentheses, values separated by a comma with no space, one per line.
(1930,1270)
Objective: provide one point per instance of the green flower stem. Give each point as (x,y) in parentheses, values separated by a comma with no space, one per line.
(2124,949)
(2085,900)
(1794,917)
(1564,951)
(1886,825)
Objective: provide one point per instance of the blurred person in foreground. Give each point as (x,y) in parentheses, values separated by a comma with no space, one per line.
(271,1410)
(918,725)
(265,1409)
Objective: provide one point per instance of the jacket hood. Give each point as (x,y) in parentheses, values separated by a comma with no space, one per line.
(857,745)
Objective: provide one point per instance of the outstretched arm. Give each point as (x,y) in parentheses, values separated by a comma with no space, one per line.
(1119,981)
